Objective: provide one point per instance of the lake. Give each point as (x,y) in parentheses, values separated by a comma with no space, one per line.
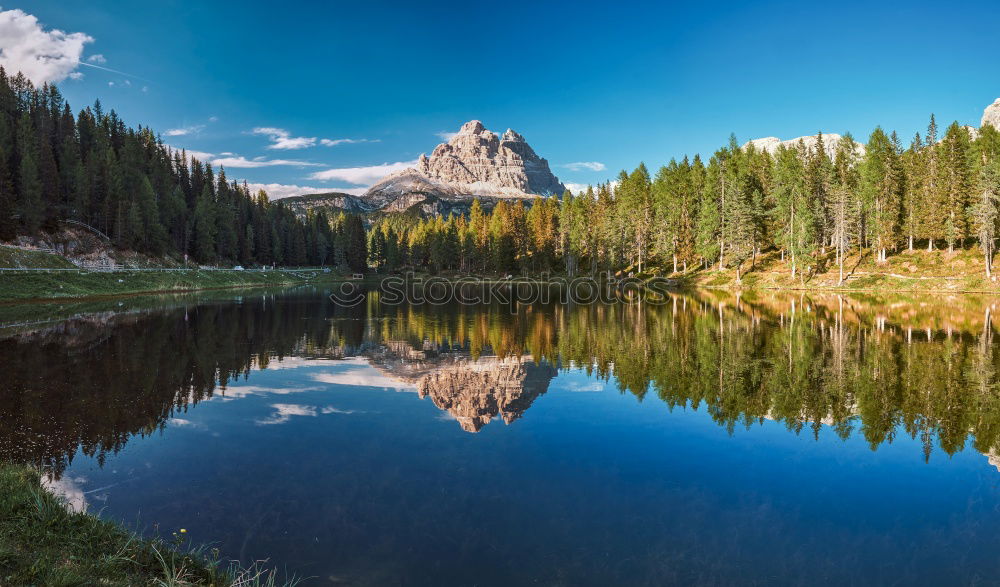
(765,439)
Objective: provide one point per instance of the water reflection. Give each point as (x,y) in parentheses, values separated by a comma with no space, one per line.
(872,367)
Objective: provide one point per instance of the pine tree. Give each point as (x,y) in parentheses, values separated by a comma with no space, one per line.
(881,189)
(30,205)
(708,233)
(955,182)
(205,227)
(8,222)
(913,164)
(934,204)
(985,213)
(819,181)
(793,209)
(356,245)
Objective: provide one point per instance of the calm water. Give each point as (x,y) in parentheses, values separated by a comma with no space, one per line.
(715,440)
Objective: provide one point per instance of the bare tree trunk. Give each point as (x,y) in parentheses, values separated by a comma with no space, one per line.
(840,262)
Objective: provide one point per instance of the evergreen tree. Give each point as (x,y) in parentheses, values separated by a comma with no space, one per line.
(985,213)
(955,182)
(794,214)
(205,227)
(8,222)
(30,205)
(881,190)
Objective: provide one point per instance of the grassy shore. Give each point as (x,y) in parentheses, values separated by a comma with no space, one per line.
(35,285)
(44,543)
(36,275)
(906,271)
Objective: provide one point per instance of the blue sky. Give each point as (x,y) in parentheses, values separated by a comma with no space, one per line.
(610,83)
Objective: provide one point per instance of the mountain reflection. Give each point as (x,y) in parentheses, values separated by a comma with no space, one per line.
(871,367)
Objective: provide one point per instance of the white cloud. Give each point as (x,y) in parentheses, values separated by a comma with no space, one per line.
(184,130)
(282,139)
(361,175)
(445,135)
(335,142)
(97,58)
(76,75)
(244,163)
(284,413)
(581,165)
(333,410)
(43,56)
(359,373)
(276,191)
(576,188)
(241,391)
(69,490)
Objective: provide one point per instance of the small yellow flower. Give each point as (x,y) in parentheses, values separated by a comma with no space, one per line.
(183,531)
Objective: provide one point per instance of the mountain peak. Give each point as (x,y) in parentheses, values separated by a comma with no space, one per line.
(473,127)
(512,136)
(479,163)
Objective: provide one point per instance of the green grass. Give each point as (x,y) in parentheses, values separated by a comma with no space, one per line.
(44,543)
(14,257)
(904,271)
(32,285)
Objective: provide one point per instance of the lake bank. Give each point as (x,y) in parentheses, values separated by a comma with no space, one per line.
(28,275)
(56,284)
(44,542)
(917,271)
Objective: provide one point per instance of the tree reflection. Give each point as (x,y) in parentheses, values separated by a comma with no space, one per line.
(875,367)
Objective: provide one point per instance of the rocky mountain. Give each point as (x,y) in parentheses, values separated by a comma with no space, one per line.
(474,391)
(474,163)
(991,115)
(339,200)
(830,142)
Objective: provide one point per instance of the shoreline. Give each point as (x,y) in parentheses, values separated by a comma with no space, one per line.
(48,541)
(27,287)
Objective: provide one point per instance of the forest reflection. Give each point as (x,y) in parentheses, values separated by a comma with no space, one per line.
(875,367)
